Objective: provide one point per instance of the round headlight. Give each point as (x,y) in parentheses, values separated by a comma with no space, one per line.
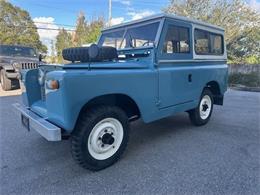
(41,76)
(16,65)
(52,84)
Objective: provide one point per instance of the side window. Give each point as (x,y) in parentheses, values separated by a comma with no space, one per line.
(207,43)
(176,40)
(201,42)
(216,44)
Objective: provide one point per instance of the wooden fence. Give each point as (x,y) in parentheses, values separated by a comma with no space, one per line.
(243,68)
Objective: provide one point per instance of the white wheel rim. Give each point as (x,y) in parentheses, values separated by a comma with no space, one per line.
(205,107)
(111,129)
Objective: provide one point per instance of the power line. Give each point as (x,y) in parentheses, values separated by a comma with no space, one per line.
(57,24)
(154,4)
(51,7)
(40,28)
(109,15)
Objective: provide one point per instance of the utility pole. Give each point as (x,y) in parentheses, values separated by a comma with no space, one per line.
(109,12)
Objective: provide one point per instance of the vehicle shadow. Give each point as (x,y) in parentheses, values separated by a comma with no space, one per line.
(142,134)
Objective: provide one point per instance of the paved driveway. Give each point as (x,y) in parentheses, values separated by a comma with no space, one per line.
(10,93)
(167,156)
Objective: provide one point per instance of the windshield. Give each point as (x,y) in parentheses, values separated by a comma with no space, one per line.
(133,37)
(17,51)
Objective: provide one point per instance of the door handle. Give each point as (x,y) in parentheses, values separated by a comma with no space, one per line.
(190,77)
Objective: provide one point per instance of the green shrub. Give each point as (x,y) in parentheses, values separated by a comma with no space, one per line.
(252,59)
(249,80)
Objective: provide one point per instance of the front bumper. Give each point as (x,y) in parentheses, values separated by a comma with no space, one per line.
(12,75)
(39,124)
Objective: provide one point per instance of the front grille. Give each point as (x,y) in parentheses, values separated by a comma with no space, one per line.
(29,65)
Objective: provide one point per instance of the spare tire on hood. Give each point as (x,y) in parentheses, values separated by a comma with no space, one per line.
(94,53)
(76,54)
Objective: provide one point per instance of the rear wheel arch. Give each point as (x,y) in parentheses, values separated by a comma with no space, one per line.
(214,87)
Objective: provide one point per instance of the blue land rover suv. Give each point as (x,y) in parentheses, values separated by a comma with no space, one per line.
(149,69)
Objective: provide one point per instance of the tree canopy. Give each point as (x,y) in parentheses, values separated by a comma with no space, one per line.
(63,40)
(17,27)
(241,24)
(87,32)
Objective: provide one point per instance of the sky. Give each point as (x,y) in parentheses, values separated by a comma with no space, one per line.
(56,14)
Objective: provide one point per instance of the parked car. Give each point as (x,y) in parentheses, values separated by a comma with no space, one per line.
(13,58)
(149,69)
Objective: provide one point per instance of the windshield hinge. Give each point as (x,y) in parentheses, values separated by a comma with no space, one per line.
(158,103)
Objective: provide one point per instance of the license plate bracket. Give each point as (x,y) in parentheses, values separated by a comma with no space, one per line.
(25,122)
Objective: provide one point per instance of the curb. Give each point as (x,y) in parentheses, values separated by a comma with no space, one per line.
(244,88)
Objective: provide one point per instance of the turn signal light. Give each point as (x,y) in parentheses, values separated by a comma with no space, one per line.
(52,84)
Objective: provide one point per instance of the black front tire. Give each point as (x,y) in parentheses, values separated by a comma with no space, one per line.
(85,125)
(195,114)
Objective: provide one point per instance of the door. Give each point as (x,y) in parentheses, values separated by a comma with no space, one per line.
(174,65)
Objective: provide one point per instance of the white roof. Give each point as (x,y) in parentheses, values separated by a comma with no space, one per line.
(161,16)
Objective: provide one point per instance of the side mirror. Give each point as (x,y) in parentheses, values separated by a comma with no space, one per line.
(41,56)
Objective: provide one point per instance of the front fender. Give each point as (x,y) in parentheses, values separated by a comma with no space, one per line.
(79,87)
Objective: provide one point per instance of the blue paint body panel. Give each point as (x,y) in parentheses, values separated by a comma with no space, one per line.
(159,84)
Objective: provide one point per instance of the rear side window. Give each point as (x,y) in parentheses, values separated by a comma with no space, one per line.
(207,43)
(176,40)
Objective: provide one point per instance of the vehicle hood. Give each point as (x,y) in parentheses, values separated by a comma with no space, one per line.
(127,63)
(121,64)
(11,59)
